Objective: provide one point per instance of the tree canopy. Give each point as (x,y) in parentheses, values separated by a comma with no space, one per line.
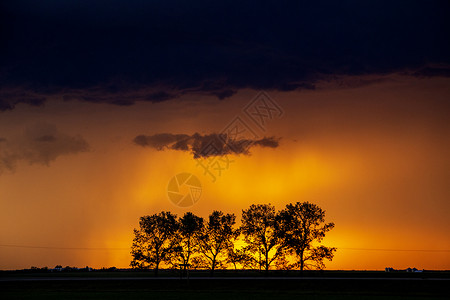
(153,242)
(301,225)
(288,239)
(216,238)
(261,234)
(189,229)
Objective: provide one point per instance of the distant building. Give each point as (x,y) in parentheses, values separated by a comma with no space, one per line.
(409,270)
(57,268)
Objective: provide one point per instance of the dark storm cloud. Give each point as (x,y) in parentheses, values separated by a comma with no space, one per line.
(203,145)
(432,71)
(9,97)
(159,141)
(46,138)
(266,142)
(120,52)
(40,144)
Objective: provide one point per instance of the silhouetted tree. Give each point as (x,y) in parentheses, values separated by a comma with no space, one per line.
(154,241)
(216,237)
(301,226)
(240,257)
(261,233)
(190,227)
(270,239)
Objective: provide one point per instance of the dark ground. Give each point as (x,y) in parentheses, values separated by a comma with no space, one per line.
(249,285)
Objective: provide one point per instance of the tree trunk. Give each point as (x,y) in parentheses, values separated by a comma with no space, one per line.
(267,266)
(157,264)
(302,262)
(213,266)
(259,261)
(266,260)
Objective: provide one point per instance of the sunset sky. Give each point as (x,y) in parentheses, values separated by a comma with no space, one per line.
(362,130)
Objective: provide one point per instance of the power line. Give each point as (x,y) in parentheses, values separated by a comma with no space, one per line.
(123,249)
(61,248)
(407,250)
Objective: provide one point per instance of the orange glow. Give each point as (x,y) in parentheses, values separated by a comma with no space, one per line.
(376,161)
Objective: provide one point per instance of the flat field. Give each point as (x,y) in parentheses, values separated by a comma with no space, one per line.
(234,285)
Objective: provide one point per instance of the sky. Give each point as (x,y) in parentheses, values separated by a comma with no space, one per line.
(102,103)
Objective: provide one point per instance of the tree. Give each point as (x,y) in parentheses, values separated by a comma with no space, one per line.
(216,238)
(154,241)
(240,257)
(189,228)
(261,233)
(302,225)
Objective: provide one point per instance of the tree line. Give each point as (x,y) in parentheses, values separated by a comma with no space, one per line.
(285,239)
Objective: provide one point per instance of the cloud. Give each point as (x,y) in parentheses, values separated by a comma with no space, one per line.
(40,144)
(159,141)
(433,71)
(9,97)
(204,145)
(160,50)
